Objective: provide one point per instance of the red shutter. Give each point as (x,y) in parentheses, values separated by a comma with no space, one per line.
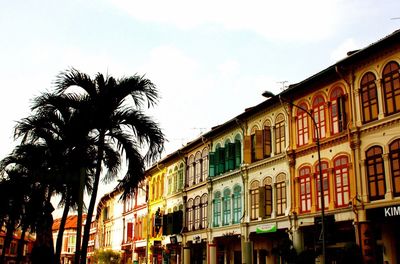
(129,231)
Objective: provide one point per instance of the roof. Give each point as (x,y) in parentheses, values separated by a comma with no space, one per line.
(71,222)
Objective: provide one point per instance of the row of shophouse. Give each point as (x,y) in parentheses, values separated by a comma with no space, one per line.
(249,191)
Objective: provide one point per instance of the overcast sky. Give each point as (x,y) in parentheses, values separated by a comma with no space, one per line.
(210,59)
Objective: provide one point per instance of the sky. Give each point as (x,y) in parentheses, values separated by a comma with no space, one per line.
(209,59)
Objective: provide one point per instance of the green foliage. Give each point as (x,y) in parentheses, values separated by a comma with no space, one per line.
(107,256)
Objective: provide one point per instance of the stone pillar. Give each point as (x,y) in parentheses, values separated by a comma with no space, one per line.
(297,239)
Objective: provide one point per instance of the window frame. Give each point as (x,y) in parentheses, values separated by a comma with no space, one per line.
(375,172)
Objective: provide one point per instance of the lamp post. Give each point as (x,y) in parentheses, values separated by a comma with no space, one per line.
(268,94)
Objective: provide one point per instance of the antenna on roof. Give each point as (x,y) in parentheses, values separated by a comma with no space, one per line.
(283,85)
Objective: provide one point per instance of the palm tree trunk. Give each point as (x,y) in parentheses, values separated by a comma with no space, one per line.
(62,228)
(21,243)
(93,197)
(80,214)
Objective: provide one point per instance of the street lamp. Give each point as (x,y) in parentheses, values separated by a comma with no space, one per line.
(268,94)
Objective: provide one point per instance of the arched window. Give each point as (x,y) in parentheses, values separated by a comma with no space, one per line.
(237,204)
(180,177)
(337,111)
(197,168)
(319,116)
(280,194)
(394,157)
(280,134)
(189,211)
(305,188)
(204,165)
(391,87)
(369,97)
(266,198)
(197,216)
(190,171)
(325,184)
(254,202)
(226,204)
(170,182)
(175,177)
(217,209)
(302,125)
(342,180)
(375,173)
(204,206)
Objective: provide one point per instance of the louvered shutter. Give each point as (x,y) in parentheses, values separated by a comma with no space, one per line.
(261,203)
(129,231)
(221,160)
(247,149)
(238,153)
(231,156)
(211,160)
(259,145)
(267,141)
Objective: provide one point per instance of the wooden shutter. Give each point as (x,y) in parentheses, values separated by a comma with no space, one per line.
(267,141)
(261,203)
(129,231)
(247,149)
(238,153)
(221,160)
(231,156)
(226,156)
(211,164)
(259,145)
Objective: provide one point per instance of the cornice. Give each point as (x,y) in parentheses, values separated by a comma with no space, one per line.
(375,126)
(324,144)
(267,162)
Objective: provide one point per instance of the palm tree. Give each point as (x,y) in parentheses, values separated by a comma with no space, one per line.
(116,121)
(24,194)
(62,130)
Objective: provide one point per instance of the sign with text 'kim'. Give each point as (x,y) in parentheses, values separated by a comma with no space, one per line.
(384,212)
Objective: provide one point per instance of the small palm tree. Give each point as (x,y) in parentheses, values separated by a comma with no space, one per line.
(116,121)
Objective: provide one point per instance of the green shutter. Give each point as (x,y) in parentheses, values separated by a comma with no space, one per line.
(211,159)
(226,156)
(231,156)
(238,154)
(221,160)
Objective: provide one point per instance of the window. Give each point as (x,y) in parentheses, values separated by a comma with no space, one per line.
(394,157)
(325,185)
(305,189)
(338,111)
(175,179)
(280,194)
(217,209)
(375,173)
(197,168)
(180,177)
(170,184)
(302,125)
(254,202)
(369,97)
(265,196)
(204,169)
(237,204)
(197,216)
(267,140)
(319,117)
(226,158)
(226,204)
(190,171)
(204,213)
(189,211)
(391,87)
(279,134)
(342,181)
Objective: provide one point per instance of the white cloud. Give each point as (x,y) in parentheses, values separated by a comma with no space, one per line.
(229,68)
(279,20)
